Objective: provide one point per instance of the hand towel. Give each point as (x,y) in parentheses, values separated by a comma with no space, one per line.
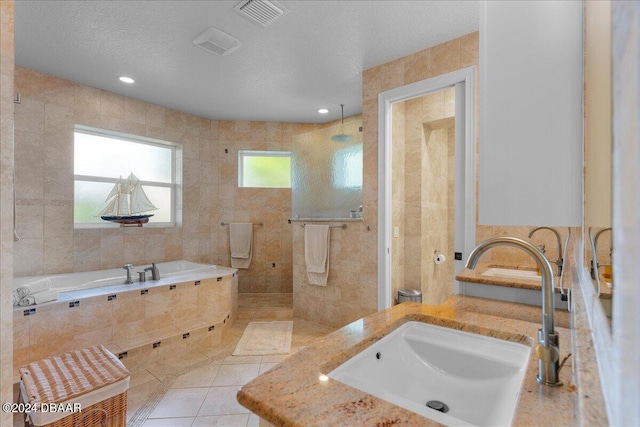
(33,288)
(241,243)
(316,253)
(39,298)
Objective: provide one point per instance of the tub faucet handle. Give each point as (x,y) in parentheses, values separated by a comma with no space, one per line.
(128,267)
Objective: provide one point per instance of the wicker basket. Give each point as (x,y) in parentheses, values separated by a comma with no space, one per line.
(111,412)
(78,377)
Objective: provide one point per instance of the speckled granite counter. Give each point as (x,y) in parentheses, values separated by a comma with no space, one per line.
(292,395)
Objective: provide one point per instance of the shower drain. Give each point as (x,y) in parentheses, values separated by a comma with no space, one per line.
(438,406)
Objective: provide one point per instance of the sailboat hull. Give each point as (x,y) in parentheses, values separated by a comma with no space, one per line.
(129,220)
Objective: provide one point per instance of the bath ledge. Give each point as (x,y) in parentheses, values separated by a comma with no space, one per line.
(69,296)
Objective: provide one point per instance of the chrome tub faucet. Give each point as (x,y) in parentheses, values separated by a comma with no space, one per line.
(548,348)
(155,273)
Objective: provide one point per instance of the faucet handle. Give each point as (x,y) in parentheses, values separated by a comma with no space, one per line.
(128,266)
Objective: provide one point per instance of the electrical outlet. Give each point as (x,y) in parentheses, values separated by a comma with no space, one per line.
(396,232)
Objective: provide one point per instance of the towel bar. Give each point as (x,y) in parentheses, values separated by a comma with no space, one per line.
(343,226)
(255,223)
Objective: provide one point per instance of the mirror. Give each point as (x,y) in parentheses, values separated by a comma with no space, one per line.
(597,150)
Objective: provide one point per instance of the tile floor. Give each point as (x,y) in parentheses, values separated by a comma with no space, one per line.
(200,390)
(205,394)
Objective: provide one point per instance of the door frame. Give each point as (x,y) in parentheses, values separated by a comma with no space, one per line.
(465,190)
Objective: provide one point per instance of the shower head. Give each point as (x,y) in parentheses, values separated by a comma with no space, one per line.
(342,137)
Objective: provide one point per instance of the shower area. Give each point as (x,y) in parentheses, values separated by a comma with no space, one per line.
(423,195)
(326,178)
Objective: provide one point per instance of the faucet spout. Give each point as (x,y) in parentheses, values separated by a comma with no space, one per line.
(155,273)
(548,345)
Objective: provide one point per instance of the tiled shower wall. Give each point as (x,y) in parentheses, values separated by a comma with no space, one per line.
(44,183)
(428,222)
(337,306)
(6,205)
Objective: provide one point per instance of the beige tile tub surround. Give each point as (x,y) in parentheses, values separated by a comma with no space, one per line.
(44,185)
(131,322)
(291,394)
(7,14)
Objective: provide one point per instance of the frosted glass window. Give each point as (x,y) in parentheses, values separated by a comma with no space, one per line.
(264,169)
(102,157)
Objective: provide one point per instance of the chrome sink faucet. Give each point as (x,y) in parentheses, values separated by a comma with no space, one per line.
(128,267)
(548,348)
(559,261)
(595,264)
(155,273)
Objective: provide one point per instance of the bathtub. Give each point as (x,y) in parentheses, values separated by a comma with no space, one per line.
(116,276)
(186,312)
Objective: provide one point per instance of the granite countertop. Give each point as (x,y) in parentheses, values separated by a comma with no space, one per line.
(291,394)
(476,276)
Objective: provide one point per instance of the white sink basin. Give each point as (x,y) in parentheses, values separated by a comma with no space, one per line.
(477,377)
(513,273)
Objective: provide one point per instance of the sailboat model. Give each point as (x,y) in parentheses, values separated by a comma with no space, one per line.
(126,203)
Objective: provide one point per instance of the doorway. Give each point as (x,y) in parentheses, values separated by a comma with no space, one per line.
(426,185)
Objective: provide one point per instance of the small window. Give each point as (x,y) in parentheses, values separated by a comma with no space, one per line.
(103,159)
(264,169)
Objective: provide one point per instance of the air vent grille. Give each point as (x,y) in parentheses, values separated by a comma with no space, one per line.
(262,12)
(216,41)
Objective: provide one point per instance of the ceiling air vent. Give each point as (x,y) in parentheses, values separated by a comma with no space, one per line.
(262,12)
(216,41)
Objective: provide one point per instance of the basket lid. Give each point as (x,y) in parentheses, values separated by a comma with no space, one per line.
(65,376)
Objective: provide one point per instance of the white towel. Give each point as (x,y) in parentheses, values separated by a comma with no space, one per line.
(316,253)
(39,298)
(241,243)
(32,288)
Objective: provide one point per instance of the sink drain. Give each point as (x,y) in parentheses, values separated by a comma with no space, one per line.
(438,406)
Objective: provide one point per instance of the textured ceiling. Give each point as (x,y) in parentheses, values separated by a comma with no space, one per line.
(311,57)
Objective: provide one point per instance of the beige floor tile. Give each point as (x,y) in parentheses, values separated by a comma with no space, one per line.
(199,377)
(254,421)
(274,358)
(237,375)
(264,367)
(222,401)
(169,422)
(236,360)
(221,420)
(141,377)
(138,396)
(180,402)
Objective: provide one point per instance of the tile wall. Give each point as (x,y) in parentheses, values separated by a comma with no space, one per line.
(336,304)
(426,219)
(6,205)
(44,186)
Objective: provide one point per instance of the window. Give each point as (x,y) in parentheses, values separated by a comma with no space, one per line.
(264,169)
(102,157)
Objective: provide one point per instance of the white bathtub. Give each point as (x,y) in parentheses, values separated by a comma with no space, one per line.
(116,276)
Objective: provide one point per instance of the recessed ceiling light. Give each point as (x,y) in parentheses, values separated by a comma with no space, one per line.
(323,111)
(125,79)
